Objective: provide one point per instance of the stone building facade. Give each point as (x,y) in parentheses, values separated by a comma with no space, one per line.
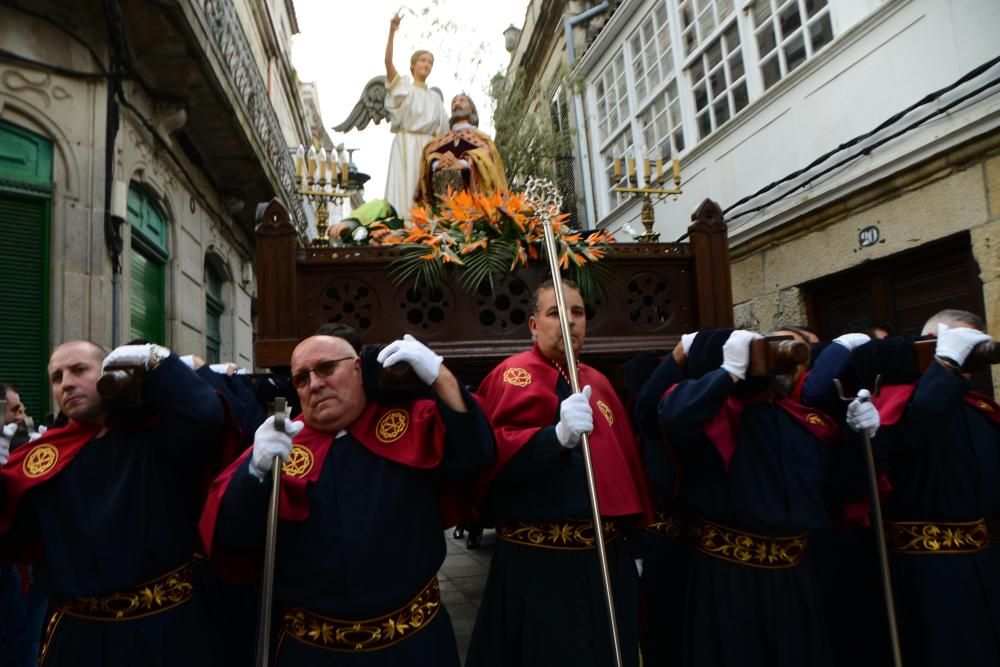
(136,139)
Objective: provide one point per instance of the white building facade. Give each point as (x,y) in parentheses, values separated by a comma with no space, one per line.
(852,143)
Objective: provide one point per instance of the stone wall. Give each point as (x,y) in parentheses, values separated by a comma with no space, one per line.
(953,192)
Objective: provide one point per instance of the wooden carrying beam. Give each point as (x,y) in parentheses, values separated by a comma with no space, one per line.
(659,291)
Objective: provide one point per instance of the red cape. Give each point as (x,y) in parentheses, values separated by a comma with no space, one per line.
(519,399)
(411,434)
(37,462)
(722,428)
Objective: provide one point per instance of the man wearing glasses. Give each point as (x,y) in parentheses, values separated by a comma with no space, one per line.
(361,514)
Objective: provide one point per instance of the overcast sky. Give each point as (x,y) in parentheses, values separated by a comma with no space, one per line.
(341,46)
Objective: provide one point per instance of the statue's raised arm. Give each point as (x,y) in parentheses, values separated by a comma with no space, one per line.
(416,115)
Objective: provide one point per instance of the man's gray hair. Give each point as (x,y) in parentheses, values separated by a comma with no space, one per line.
(474,116)
(950,317)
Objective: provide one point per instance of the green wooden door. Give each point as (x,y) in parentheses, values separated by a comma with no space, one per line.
(148,264)
(25,202)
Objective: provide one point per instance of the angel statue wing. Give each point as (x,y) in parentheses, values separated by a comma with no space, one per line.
(369,108)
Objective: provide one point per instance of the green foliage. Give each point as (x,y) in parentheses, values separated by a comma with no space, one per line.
(528,141)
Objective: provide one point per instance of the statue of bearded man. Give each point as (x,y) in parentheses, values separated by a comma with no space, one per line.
(463,158)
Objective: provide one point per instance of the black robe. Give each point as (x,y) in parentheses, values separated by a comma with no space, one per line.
(125,511)
(775,485)
(944,464)
(371,541)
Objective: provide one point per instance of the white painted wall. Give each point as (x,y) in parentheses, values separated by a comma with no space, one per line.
(884,57)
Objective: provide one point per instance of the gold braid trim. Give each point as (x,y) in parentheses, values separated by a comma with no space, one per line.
(667,525)
(153,597)
(50,631)
(569,535)
(748,549)
(372,634)
(941,537)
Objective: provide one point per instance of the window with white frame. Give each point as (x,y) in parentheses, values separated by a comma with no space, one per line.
(662,128)
(652,52)
(699,19)
(789,32)
(622,149)
(612,97)
(718,81)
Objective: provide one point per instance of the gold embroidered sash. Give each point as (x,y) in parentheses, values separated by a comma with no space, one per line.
(668,525)
(937,537)
(569,535)
(371,634)
(735,546)
(156,596)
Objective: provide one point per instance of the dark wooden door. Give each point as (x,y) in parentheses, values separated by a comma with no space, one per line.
(903,290)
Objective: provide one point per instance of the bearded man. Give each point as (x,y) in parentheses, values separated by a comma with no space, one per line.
(463,157)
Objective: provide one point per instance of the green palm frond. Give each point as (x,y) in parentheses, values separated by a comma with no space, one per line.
(411,266)
(485,264)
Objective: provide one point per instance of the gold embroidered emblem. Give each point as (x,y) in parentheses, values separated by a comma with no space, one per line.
(814,418)
(392,426)
(300,462)
(606,411)
(40,460)
(983,405)
(517,377)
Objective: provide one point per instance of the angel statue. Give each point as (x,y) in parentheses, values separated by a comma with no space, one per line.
(416,114)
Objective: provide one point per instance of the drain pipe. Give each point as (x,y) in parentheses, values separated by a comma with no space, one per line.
(578,117)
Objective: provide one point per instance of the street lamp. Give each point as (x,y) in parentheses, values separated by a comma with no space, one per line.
(510,37)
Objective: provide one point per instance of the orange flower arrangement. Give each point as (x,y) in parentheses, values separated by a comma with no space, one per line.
(483,237)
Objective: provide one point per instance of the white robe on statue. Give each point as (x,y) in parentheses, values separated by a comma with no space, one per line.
(417,115)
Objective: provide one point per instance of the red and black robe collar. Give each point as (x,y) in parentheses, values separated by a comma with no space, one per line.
(519,399)
(411,434)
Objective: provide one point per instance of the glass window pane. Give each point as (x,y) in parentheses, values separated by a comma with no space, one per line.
(761,11)
(690,41)
(697,71)
(679,140)
(790,20)
(765,39)
(735,67)
(771,71)
(660,14)
(820,32)
(732,36)
(740,97)
(714,54)
(721,109)
(700,97)
(813,6)
(704,125)
(717,82)
(795,52)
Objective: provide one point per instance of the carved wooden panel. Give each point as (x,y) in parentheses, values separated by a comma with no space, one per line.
(659,291)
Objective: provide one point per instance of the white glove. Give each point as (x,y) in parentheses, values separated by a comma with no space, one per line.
(147,356)
(223,369)
(576,417)
(862,415)
(686,341)
(188,360)
(955,343)
(852,340)
(425,363)
(5,435)
(268,442)
(37,434)
(736,352)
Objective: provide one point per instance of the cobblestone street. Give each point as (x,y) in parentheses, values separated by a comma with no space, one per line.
(463,578)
